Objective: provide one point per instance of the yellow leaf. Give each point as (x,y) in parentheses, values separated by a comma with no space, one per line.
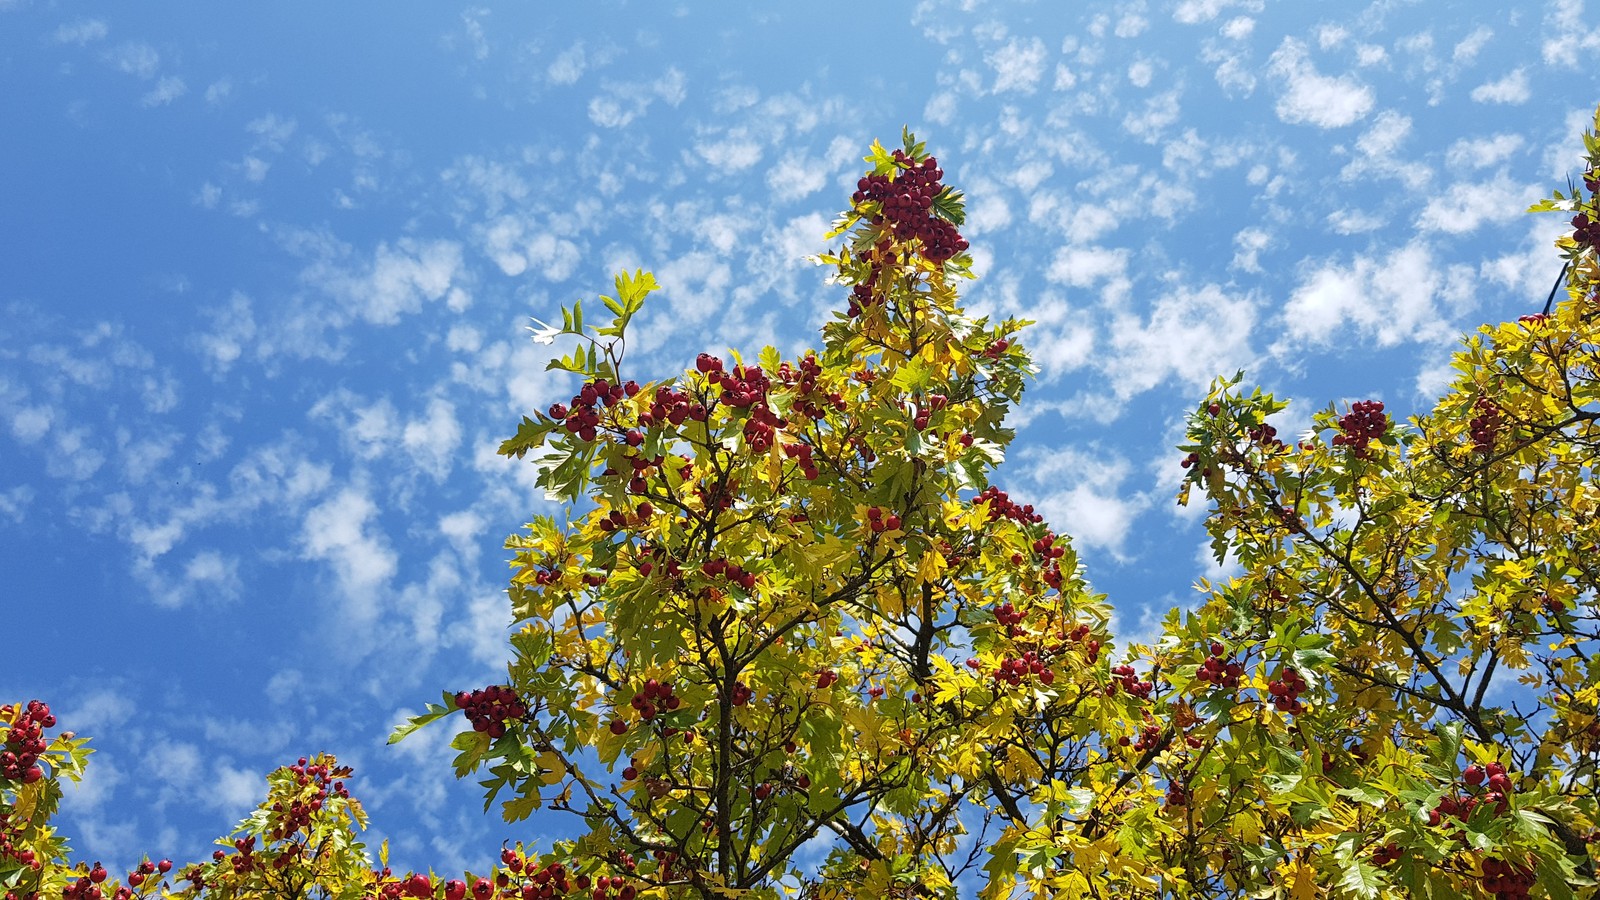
(1302,881)
(554,769)
(931,567)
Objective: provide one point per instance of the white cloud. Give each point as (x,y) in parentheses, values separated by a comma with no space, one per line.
(623,102)
(1249,243)
(1192,12)
(1481,153)
(1080,494)
(1354,221)
(1189,334)
(1311,98)
(1140,73)
(1377,153)
(568,67)
(1465,207)
(1391,299)
(136,58)
(941,108)
(431,440)
(82,31)
(1467,49)
(1018,65)
(31,423)
(168,89)
(1570,37)
(400,278)
(233,327)
(1150,125)
(218,92)
(341,532)
(734,152)
(1512,89)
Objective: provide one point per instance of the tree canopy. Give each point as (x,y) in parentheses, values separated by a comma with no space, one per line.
(790,636)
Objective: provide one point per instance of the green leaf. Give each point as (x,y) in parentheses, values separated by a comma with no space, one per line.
(435,712)
(1361,879)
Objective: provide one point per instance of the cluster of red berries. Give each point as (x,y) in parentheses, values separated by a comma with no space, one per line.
(1386,854)
(906,200)
(1285,691)
(801,454)
(1149,736)
(1008,615)
(1177,795)
(146,869)
(1266,436)
(671,566)
(672,406)
(87,887)
(741,693)
(1001,506)
(8,848)
(721,568)
(24,741)
(1485,426)
(1219,670)
(826,679)
(994,350)
(297,815)
(653,698)
(804,381)
(1507,881)
(744,387)
(878,523)
(1124,677)
(1586,230)
(930,404)
(583,419)
(616,520)
(489,708)
(1363,424)
(1012,671)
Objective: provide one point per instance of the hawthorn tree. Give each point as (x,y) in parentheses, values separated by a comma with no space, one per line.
(788,639)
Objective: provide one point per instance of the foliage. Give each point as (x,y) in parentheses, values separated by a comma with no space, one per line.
(789,640)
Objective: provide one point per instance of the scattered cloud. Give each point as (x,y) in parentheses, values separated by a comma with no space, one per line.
(1311,98)
(136,58)
(1513,89)
(1390,299)
(82,31)
(1018,65)
(168,89)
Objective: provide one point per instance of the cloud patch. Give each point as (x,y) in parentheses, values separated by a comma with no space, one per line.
(1310,98)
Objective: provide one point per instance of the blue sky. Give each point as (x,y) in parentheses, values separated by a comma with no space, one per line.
(267,271)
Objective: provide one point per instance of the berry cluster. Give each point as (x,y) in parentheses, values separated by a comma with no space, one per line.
(801,454)
(1001,506)
(1285,691)
(741,693)
(1177,795)
(1586,230)
(826,679)
(1266,436)
(653,698)
(297,815)
(490,708)
(906,200)
(24,741)
(809,401)
(1485,426)
(1009,616)
(1386,854)
(87,887)
(1123,676)
(1507,881)
(878,523)
(1219,670)
(1149,736)
(1363,424)
(146,869)
(994,350)
(1012,671)
(721,568)
(673,406)
(583,419)
(744,387)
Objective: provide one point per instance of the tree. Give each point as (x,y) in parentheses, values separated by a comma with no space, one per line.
(787,611)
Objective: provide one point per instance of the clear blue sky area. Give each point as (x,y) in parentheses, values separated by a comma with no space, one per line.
(265,272)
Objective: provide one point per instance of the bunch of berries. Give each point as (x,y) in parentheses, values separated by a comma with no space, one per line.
(741,693)
(583,419)
(1485,426)
(1266,436)
(1363,424)
(1586,230)
(1219,670)
(801,454)
(320,777)
(145,870)
(1285,691)
(654,698)
(490,708)
(1123,676)
(1386,854)
(761,429)
(672,406)
(24,741)
(1013,670)
(1507,881)
(1149,736)
(721,568)
(878,523)
(1009,616)
(906,198)
(1000,506)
